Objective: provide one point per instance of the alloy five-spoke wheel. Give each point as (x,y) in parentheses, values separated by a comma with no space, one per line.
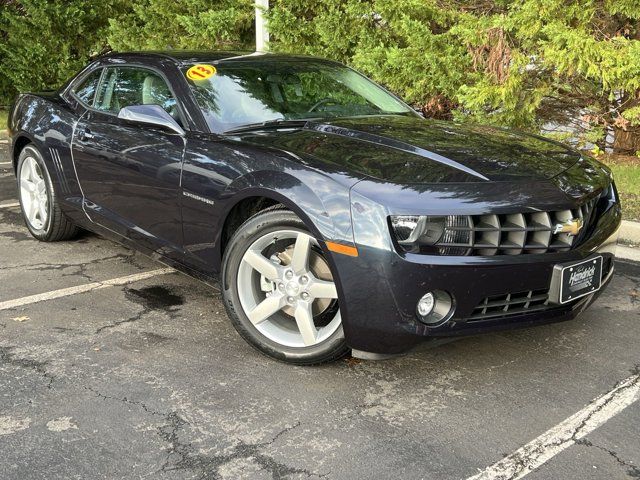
(40,205)
(33,194)
(287,285)
(280,291)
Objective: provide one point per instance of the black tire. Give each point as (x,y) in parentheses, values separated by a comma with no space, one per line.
(270,220)
(57,226)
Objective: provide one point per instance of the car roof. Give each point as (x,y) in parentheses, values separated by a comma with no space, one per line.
(185,57)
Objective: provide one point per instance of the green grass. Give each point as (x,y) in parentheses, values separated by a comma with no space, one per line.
(627,177)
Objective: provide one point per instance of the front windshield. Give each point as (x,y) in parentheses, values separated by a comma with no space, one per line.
(250,92)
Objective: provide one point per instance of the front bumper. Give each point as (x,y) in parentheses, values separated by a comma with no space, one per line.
(381,287)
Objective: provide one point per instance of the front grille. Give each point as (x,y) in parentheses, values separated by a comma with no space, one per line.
(511,304)
(512,234)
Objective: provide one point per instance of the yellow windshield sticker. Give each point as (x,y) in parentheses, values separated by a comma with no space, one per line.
(201,72)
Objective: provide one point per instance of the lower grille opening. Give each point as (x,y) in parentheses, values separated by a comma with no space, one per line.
(527,301)
(511,304)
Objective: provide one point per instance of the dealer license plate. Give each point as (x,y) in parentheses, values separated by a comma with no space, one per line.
(575,280)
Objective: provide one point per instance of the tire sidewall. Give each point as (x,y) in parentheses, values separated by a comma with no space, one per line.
(254,228)
(30,151)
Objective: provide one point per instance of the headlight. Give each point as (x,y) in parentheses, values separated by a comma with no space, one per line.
(423,233)
(421,230)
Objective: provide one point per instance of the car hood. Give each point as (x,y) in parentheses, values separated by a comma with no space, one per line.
(410,150)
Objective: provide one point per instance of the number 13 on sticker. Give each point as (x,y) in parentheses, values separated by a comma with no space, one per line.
(201,72)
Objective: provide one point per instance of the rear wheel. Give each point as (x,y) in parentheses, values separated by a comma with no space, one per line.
(279,290)
(40,207)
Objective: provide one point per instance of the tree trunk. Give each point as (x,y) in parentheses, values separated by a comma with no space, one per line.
(626,142)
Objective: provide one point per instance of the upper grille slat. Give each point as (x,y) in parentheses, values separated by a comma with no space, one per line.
(512,234)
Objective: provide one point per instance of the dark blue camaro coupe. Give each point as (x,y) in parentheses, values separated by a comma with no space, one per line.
(334,216)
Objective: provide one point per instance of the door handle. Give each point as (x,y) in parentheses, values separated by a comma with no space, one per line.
(86,134)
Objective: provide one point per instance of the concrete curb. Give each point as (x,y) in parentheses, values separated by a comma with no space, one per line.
(628,253)
(630,232)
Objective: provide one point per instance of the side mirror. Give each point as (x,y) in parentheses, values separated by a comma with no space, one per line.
(151,115)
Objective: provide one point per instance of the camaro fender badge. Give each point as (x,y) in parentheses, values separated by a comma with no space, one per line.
(571,227)
(197,197)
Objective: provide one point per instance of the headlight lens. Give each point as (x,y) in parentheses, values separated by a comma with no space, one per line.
(423,233)
(417,230)
(404,227)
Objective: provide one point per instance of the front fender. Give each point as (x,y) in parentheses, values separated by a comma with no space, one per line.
(217,176)
(321,203)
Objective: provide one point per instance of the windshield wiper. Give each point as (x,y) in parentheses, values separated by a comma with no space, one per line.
(278,123)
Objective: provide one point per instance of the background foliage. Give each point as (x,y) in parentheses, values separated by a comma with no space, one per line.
(42,43)
(555,65)
(570,68)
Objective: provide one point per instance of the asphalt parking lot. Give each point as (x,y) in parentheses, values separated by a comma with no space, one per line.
(146,378)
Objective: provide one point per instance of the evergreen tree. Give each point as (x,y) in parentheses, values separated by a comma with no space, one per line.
(524,63)
(531,64)
(43,43)
(185,24)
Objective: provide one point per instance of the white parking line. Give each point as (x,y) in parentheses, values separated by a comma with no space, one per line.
(65,292)
(7,205)
(562,436)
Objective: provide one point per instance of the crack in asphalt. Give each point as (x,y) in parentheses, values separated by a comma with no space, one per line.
(524,460)
(209,466)
(182,455)
(187,458)
(125,400)
(81,267)
(632,470)
(133,318)
(8,358)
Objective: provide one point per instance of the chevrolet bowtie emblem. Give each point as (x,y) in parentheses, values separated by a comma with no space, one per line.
(570,227)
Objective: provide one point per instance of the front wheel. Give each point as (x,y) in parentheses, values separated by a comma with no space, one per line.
(279,290)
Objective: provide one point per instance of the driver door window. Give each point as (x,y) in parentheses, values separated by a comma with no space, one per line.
(127,86)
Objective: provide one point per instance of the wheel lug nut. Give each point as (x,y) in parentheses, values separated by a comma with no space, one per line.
(305,296)
(289,274)
(290,299)
(304,279)
(281,286)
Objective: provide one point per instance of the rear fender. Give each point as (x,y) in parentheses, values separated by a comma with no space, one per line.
(48,124)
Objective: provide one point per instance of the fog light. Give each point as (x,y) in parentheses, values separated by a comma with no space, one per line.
(426,304)
(435,308)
